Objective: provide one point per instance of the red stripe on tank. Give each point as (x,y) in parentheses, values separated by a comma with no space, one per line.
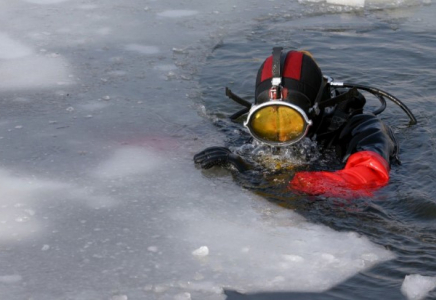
(267,69)
(293,62)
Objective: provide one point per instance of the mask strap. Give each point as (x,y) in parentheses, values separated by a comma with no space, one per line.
(275,91)
(315,109)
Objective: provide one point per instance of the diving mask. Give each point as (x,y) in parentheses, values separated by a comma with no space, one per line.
(277,122)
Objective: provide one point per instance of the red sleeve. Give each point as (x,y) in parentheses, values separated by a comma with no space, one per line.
(364,172)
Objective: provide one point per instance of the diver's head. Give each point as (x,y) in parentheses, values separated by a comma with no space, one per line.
(288,86)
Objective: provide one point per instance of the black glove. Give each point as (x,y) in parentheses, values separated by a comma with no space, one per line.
(220,156)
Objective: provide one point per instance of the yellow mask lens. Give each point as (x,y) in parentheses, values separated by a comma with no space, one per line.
(277,123)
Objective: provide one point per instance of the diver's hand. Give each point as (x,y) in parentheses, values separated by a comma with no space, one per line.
(220,156)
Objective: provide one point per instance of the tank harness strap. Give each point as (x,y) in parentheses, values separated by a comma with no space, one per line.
(350,94)
(340,116)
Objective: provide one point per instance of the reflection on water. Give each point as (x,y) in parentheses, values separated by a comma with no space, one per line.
(389,49)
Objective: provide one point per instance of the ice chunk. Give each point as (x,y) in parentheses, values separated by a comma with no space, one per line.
(282,256)
(202,251)
(416,287)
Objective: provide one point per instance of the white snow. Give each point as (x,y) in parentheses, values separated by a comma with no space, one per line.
(416,287)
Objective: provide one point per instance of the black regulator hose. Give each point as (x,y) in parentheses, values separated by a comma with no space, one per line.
(380,95)
(239,113)
(237,99)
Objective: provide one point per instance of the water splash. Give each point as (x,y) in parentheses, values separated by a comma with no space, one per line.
(280,158)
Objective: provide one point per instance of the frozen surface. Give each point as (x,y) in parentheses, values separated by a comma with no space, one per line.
(99,197)
(416,287)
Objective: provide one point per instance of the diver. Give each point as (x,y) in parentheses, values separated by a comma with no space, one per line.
(293,101)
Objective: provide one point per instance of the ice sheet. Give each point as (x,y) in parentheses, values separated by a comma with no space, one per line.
(254,246)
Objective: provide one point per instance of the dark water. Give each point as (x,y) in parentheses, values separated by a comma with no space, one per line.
(392,49)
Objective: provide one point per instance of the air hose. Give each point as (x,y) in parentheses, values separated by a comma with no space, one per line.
(380,95)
